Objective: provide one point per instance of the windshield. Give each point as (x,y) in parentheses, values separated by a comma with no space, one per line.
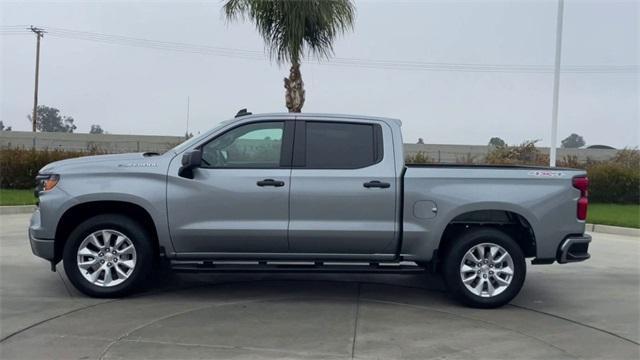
(196,139)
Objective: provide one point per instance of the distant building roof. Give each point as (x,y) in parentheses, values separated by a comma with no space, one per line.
(601,147)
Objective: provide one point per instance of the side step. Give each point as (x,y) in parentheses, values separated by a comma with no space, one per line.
(294,267)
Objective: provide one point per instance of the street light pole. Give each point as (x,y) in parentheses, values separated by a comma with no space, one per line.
(556,86)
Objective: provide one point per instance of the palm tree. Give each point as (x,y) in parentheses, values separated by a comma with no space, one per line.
(292,29)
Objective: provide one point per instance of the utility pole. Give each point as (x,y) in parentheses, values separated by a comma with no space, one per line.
(556,86)
(39,34)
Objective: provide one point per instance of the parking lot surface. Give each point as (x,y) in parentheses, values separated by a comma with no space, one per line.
(586,310)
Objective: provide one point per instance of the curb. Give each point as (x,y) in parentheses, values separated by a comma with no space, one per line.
(21,209)
(615,230)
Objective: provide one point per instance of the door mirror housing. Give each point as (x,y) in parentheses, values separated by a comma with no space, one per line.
(190,161)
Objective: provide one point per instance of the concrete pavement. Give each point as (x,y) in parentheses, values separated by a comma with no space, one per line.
(587,310)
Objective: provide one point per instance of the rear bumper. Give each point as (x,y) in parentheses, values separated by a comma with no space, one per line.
(574,249)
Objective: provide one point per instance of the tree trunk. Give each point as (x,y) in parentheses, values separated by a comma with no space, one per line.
(294,86)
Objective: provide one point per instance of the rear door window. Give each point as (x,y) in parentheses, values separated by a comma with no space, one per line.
(333,145)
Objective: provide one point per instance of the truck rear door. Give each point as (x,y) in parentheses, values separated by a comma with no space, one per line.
(343,188)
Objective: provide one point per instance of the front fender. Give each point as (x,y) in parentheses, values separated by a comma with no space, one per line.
(145,190)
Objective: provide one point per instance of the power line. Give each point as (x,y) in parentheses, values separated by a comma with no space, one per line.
(335,61)
(64,33)
(362,63)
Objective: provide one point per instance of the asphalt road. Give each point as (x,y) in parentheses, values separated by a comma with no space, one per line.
(587,310)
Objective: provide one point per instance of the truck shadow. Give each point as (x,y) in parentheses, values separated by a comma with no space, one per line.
(182,282)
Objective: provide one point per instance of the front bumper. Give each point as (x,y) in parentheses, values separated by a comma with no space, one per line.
(574,249)
(43,248)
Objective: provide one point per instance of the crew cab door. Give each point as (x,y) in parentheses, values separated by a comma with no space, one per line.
(343,188)
(238,200)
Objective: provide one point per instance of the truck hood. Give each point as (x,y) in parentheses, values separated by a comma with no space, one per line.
(131,160)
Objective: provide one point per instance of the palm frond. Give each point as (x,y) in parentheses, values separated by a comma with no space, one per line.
(293,29)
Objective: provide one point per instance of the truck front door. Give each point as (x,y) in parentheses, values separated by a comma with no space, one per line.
(238,200)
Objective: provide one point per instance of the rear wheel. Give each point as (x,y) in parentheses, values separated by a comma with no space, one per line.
(484,268)
(108,256)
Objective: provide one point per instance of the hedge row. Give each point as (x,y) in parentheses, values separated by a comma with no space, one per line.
(19,167)
(614,181)
(611,183)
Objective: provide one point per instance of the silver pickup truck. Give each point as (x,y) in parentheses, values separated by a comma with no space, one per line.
(305,192)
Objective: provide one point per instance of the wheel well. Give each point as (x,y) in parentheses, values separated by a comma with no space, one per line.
(81,212)
(513,224)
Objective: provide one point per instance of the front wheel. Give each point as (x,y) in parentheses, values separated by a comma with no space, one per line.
(108,256)
(484,268)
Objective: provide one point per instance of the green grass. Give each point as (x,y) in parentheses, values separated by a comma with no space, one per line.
(16,197)
(614,214)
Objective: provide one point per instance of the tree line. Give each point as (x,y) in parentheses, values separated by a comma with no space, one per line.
(573,141)
(49,119)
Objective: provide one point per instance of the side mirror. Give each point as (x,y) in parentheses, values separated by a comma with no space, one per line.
(190,161)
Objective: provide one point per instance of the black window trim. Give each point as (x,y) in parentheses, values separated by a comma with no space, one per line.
(300,144)
(286,148)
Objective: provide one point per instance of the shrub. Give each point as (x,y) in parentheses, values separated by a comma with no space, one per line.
(629,158)
(523,154)
(19,167)
(613,183)
(419,158)
(570,161)
(468,158)
(617,180)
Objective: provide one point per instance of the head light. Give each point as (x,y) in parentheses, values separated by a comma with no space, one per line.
(46,182)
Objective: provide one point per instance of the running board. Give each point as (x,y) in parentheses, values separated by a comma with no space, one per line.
(294,267)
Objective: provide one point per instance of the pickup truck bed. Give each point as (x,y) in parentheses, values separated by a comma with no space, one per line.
(534,198)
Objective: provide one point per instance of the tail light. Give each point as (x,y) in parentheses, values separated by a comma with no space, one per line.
(582,183)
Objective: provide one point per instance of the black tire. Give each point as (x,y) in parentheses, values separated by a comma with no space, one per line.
(453,258)
(140,239)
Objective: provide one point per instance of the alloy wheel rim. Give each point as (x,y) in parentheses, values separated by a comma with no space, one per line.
(106,258)
(486,270)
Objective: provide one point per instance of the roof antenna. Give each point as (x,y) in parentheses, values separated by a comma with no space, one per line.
(242,112)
